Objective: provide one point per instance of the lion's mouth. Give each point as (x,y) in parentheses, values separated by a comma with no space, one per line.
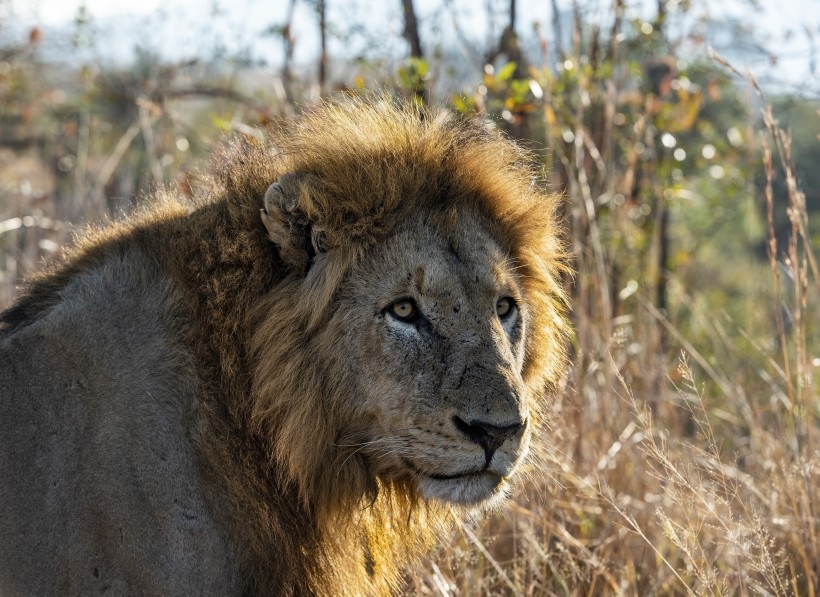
(451,477)
(439,477)
(466,488)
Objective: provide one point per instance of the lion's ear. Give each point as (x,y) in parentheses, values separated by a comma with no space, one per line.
(286,222)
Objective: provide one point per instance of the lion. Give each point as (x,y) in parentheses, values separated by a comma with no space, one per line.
(293,383)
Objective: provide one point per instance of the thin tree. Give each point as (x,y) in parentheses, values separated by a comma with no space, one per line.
(509,46)
(556,28)
(289,44)
(411,34)
(411,29)
(321,8)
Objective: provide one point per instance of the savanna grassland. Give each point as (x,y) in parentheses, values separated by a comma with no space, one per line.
(682,455)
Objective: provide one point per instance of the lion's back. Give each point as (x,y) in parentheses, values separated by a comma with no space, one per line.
(101,489)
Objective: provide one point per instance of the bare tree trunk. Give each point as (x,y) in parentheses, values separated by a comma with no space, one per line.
(288,41)
(509,46)
(322,8)
(663,258)
(556,31)
(616,29)
(411,34)
(665,71)
(411,29)
(661,18)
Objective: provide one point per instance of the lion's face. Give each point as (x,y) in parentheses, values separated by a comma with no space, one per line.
(435,326)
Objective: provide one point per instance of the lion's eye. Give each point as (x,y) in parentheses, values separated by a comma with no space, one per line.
(404,309)
(504,306)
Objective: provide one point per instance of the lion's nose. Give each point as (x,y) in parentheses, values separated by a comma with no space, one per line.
(488,436)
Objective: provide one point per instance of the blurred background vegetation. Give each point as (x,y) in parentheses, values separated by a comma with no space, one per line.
(684,452)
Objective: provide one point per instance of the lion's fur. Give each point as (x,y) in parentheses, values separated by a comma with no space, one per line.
(299,508)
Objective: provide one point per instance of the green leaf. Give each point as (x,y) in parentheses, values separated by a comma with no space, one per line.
(506,71)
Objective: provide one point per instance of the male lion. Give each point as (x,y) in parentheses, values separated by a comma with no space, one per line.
(291,386)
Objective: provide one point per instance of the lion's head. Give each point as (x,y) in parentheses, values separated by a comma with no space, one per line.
(433,322)
(420,319)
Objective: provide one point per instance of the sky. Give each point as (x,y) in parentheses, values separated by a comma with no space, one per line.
(187,28)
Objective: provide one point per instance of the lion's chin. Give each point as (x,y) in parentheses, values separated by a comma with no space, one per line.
(484,489)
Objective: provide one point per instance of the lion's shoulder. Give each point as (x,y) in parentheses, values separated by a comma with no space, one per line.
(97,393)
